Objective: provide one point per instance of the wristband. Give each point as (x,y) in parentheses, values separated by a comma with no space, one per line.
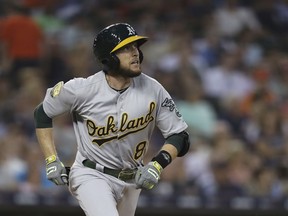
(50,159)
(163,158)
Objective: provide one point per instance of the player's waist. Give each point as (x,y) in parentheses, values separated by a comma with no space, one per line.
(123,175)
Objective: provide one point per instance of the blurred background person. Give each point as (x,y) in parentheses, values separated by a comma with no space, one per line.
(21,41)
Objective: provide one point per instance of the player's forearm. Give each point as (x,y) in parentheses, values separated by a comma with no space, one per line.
(171,149)
(45,139)
(176,145)
(166,155)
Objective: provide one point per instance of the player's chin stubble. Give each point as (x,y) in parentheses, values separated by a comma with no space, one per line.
(129,73)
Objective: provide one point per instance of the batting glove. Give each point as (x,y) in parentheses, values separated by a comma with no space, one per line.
(56,171)
(148,176)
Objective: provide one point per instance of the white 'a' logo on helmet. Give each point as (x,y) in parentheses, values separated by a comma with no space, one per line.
(131,30)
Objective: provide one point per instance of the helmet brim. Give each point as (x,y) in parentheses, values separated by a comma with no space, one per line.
(129,40)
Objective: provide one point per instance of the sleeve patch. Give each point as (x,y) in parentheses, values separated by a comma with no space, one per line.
(169,103)
(56,89)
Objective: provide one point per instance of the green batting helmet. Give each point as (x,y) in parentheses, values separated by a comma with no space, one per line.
(111,39)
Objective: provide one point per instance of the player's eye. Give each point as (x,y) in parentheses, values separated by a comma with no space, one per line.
(130,47)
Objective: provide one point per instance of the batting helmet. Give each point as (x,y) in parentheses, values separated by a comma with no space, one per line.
(111,39)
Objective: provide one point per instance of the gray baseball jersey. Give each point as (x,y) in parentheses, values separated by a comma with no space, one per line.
(112,128)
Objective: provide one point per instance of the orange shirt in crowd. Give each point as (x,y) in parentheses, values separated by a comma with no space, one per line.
(22,37)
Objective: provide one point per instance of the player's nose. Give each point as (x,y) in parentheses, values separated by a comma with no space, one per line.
(135,50)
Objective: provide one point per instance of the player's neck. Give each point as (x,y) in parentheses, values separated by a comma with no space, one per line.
(118,82)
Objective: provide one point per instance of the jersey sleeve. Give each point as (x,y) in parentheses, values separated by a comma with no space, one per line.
(169,120)
(60,99)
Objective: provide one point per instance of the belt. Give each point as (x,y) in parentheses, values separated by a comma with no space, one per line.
(123,175)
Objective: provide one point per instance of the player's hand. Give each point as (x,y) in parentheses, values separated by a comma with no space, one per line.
(56,171)
(148,176)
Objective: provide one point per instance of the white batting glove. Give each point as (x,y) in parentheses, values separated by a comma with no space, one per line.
(148,176)
(56,171)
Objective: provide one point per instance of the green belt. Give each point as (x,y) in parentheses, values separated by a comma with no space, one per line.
(123,175)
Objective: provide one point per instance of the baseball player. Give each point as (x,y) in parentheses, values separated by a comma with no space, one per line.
(114,113)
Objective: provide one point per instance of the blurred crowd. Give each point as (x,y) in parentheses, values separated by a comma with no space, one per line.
(225,63)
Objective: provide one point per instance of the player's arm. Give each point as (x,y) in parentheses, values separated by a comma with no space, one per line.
(55,169)
(176,145)
(44,131)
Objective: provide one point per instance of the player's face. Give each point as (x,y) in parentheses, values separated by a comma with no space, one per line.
(129,60)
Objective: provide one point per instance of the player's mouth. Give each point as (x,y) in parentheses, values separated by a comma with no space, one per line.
(135,62)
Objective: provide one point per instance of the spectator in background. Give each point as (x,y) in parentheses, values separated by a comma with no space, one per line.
(198,113)
(279,82)
(271,129)
(231,164)
(199,178)
(22,41)
(266,188)
(273,16)
(226,81)
(50,24)
(209,47)
(31,89)
(182,54)
(250,49)
(231,18)
(55,66)
(262,94)
(12,164)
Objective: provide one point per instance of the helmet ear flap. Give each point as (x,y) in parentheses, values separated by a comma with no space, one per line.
(141,57)
(111,63)
(115,63)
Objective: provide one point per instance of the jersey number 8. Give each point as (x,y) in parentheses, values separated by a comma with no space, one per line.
(140,150)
